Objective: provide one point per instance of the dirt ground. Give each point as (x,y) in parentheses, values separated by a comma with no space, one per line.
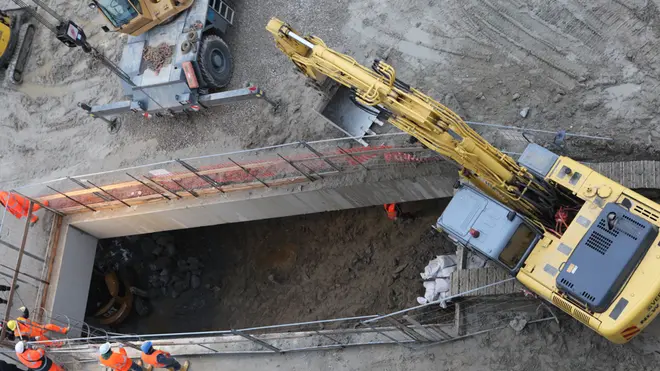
(585,66)
(286,270)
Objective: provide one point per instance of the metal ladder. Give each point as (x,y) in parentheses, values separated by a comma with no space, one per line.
(223,9)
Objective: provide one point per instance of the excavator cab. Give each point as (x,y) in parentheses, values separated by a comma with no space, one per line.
(135,17)
(488,228)
(117,12)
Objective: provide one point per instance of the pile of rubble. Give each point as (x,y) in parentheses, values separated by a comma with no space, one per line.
(170,274)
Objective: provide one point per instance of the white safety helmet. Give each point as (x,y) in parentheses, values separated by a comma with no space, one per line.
(105,348)
(20,347)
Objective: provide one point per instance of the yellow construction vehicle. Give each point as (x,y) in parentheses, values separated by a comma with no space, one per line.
(570,235)
(135,17)
(16,34)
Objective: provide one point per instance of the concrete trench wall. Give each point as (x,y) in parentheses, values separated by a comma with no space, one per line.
(67,294)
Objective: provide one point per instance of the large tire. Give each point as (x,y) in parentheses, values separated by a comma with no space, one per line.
(215,62)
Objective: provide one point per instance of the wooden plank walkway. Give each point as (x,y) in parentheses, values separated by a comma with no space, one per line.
(469,279)
(632,174)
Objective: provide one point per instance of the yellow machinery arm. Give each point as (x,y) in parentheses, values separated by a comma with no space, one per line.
(591,222)
(433,124)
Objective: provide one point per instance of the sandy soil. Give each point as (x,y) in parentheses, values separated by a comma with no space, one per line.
(311,267)
(587,67)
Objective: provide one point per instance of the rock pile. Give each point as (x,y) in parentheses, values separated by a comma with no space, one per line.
(170,273)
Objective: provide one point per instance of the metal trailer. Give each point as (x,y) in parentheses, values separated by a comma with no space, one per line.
(201,62)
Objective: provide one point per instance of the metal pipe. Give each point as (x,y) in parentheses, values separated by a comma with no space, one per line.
(205,178)
(352,158)
(223,332)
(110,194)
(37,16)
(38,203)
(50,11)
(148,186)
(163,186)
(248,173)
(295,167)
(315,152)
(535,130)
(26,274)
(300,39)
(191,191)
(257,341)
(76,201)
(17,249)
(83,185)
(240,151)
(18,279)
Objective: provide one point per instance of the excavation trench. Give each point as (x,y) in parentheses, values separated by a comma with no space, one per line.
(281,270)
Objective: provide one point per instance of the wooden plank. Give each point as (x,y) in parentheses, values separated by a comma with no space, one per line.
(459,319)
(474,277)
(483,281)
(207,191)
(453,279)
(177,176)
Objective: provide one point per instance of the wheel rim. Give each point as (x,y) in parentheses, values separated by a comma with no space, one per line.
(217,61)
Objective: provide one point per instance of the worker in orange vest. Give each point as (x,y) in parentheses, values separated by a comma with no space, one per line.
(35,359)
(19,205)
(117,361)
(27,329)
(159,359)
(393,211)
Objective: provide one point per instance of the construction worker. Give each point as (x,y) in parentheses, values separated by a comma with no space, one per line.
(9,334)
(27,329)
(35,359)
(117,361)
(159,359)
(19,205)
(393,211)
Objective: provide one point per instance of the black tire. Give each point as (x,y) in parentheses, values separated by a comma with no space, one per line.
(215,62)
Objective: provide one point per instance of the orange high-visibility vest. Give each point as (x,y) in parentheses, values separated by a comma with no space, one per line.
(27,328)
(152,359)
(32,358)
(16,204)
(391,211)
(118,361)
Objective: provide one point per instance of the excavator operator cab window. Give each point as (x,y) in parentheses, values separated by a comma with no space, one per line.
(517,246)
(120,12)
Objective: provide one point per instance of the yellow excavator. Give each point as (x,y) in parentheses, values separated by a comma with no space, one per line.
(135,17)
(570,235)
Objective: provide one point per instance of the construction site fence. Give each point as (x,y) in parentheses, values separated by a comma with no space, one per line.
(273,166)
(453,318)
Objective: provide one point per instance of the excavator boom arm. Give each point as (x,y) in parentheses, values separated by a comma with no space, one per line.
(433,124)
